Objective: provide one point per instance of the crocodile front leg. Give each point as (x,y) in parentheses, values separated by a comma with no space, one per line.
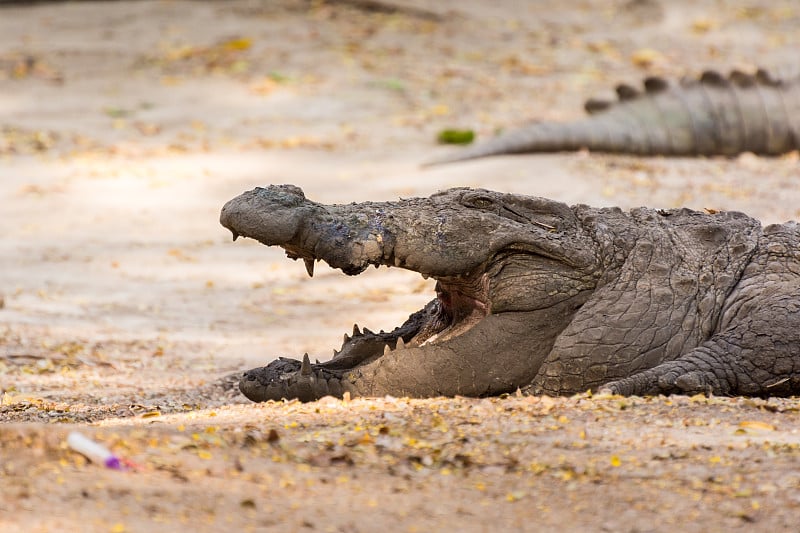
(705,370)
(760,356)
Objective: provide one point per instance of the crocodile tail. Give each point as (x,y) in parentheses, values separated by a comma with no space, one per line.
(542,137)
(757,113)
(791,99)
(633,125)
(712,115)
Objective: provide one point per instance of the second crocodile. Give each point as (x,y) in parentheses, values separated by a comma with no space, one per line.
(711,115)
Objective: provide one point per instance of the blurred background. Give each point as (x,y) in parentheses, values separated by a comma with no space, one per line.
(124,127)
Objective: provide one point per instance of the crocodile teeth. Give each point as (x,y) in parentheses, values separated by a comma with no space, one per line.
(425,276)
(316,361)
(309,266)
(368,332)
(235,236)
(387,349)
(346,339)
(305,368)
(400,343)
(335,353)
(356,330)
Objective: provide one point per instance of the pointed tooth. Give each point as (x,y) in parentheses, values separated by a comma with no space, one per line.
(346,339)
(335,353)
(235,236)
(425,276)
(335,388)
(309,266)
(400,344)
(356,330)
(368,332)
(305,368)
(383,331)
(387,349)
(316,361)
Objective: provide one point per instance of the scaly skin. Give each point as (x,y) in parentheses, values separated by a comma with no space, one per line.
(712,115)
(535,295)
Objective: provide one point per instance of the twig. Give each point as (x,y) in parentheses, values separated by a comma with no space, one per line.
(381,6)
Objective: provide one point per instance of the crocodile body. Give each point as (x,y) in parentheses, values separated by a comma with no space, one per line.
(536,295)
(711,115)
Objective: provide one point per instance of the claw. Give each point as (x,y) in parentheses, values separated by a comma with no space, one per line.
(305,368)
(309,266)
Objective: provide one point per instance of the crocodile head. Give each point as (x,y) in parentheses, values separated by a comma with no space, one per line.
(510,272)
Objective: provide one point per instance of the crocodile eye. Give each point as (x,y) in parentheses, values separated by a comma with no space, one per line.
(478,201)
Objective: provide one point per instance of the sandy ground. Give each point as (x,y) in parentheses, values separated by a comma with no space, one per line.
(124,127)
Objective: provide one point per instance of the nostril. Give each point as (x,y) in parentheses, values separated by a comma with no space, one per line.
(249,376)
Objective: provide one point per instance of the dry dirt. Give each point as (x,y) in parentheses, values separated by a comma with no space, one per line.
(124,127)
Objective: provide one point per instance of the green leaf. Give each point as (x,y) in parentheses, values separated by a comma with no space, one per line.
(453,136)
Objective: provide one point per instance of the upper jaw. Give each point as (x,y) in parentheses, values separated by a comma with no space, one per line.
(348,237)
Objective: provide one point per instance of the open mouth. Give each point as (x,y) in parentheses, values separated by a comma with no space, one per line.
(351,238)
(501,278)
(460,303)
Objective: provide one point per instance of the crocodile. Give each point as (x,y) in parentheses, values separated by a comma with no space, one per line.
(705,116)
(537,296)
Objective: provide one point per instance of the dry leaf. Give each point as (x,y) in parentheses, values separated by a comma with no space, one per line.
(756,424)
(242,43)
(703,25)
(646,57)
